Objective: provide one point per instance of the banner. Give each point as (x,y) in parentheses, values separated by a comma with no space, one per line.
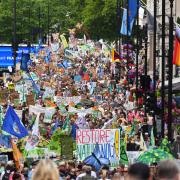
(49,92)
(80,112)
(66,100)
(4,96)
(107,139)
(133,155)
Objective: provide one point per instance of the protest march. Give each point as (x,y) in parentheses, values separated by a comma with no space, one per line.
(74,109)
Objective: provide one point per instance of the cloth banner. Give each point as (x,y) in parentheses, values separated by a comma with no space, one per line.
(80,112)
(66,100)
(107,139)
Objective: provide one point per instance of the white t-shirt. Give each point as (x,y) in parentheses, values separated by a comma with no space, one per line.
(83,174)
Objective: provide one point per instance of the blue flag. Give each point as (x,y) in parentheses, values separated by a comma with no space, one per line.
(13,125)
(133,4)
(35,87)
(5,140)
(24,61)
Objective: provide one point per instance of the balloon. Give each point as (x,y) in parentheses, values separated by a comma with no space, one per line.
(178,33)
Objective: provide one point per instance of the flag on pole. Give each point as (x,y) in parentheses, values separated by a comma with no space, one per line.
(16,154)
(64,41)
(176,57)
(24,61)
(123,154)
(152,142)
(33,139)
(13,125)
(132,132)
(126,29)
(142,143)
(141,17)
(115,56)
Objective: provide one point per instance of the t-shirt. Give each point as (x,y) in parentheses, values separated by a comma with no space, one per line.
(93,175)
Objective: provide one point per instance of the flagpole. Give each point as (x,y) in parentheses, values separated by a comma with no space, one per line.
(127,65)
(137,46)
(163,68)
(145,63)
(171,39)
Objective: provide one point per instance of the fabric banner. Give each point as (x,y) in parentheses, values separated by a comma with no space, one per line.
(66,100)
(49,92)
(133,155)
(36,109)
(141,17)
(80,112)
(48,114)
(107,139)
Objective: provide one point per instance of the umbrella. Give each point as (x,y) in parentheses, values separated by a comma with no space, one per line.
(154,156)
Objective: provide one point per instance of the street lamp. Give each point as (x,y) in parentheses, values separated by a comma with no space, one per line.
(170,65)
(163,68)
(137,53)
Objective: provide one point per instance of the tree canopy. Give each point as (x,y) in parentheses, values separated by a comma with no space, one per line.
(99,18)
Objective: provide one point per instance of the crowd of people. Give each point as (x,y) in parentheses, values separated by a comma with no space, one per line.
(84,94)
(47,169)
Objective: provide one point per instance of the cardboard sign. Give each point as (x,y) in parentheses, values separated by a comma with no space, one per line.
(30,99)
(66,147)
(4,96)
(107,139)
(13,96)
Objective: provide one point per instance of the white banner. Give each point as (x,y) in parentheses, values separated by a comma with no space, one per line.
(66,100)
(133,155)
(80,112)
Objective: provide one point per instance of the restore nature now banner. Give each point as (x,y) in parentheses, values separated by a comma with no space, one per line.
(107,139)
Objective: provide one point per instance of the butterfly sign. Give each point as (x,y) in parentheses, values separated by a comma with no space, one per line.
(97,159)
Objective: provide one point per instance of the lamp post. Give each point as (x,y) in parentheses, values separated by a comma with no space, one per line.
(145,62)
(170,65)
(154,55)
(137,52)
(163,68)
(118,24)
(14,43)
(127,65)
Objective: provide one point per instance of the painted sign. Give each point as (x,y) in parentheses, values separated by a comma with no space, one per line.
(107,139)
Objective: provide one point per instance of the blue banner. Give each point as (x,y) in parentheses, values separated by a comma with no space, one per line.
(6,55)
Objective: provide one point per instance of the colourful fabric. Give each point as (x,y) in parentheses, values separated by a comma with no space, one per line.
(176,57)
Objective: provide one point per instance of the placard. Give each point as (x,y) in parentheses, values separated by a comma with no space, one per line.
(107,139)
(4,96)
(30,99)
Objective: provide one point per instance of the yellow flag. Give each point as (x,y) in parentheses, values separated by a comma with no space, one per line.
(16,154)
(64,41)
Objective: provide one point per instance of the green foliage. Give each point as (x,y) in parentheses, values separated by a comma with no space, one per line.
(99,18)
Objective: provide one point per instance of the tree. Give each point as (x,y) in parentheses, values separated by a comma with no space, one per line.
(99,18)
